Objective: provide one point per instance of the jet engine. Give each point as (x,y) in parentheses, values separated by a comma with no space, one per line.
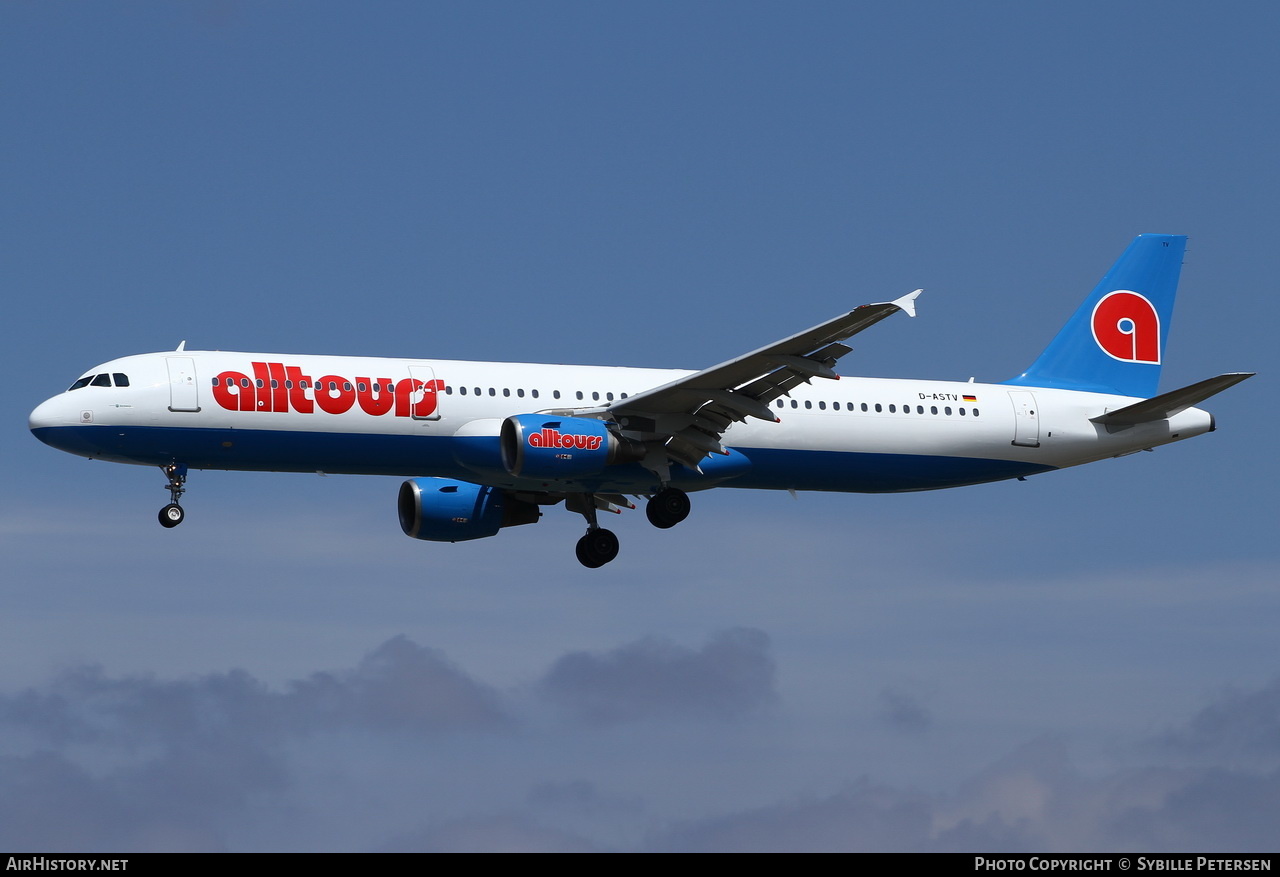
(444,510)
(548,447)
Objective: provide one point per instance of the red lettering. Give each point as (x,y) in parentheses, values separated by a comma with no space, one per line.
(553,438)
(426,406)
(261,380)
(279,395)
(375,397)
(280,388)
(298,398)
(334,394)
(417,398)
(231,394)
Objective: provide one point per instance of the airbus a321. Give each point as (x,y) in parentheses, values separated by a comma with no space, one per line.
(487,445)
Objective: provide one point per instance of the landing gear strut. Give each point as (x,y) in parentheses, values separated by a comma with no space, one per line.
(668,507)
(598,546)
(172,515)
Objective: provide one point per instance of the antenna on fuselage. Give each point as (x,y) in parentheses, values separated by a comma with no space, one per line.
(182,345)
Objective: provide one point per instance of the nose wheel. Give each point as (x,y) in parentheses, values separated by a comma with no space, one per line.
(172,515)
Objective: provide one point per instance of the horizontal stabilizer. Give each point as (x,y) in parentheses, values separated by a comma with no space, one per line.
(1166,405)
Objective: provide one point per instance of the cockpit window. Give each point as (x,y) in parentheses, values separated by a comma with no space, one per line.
(121,380)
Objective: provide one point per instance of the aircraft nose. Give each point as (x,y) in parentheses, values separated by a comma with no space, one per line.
(49,413)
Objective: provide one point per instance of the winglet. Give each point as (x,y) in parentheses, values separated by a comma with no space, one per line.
(908,302)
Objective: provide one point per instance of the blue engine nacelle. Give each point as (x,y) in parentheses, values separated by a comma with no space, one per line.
(549,447)
(444,510)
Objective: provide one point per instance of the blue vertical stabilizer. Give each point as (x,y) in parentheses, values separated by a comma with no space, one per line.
(1115,341)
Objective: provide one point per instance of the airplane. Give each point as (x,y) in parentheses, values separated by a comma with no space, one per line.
(488,445)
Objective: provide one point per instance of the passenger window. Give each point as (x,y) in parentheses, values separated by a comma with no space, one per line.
(795,404)
(919,409)
(864,406)
(893,409)
(822,406)
(878,408)
(595,397)
(534,393)
(947,410)
(975,412)
(808,404)
(506,391)
(579,394)
(462,390)
(933,409)
(609,396)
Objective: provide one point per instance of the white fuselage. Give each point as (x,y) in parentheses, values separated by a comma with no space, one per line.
(441,418)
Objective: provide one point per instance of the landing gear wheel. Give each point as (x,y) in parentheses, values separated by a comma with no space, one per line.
(171,515)
(667,508)
(597,548)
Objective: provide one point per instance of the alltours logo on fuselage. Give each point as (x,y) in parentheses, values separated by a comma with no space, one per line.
(281,388)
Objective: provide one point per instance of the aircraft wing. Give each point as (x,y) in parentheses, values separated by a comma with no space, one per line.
(688,415)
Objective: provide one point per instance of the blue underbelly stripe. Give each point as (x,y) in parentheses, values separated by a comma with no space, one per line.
(416,455)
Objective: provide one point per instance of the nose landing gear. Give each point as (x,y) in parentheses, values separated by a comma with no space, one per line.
(173,514)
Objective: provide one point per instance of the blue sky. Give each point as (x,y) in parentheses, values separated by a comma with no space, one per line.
(1085,660)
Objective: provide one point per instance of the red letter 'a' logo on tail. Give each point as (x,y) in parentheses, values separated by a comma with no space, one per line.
(1127,327)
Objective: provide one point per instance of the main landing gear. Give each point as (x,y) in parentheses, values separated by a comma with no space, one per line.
(599,546)
(172,515)
(667,508)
